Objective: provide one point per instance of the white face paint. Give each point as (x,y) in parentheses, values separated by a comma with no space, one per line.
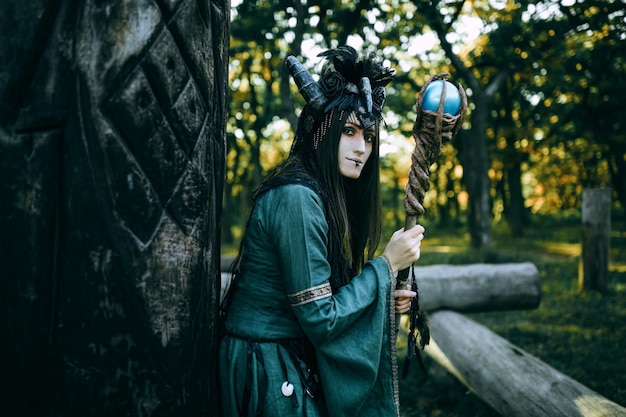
(355,147)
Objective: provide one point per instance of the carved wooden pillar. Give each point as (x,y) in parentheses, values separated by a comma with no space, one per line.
(112,125)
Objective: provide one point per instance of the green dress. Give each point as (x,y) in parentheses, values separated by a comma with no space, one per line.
(282,296)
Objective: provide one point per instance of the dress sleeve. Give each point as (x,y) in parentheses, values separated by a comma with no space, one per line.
(299,232)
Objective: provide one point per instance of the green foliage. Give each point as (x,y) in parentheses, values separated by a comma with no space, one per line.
(554,127)
(561,106)
(581,335)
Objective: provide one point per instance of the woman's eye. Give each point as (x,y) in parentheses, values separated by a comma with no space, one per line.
(348,130)
(370,138)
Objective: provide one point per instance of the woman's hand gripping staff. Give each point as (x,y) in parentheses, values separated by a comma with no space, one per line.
(403,249)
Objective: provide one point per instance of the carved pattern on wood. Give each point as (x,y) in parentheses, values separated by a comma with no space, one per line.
(112,116)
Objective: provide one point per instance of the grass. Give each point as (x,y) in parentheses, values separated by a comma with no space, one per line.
(583,335)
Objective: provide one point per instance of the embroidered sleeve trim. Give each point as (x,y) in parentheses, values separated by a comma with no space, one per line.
(384,257)
(309,295)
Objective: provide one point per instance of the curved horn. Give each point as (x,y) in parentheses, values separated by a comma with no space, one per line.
(366,90)
(307,86)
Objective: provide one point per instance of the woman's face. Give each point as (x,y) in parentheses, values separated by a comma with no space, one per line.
(355,147)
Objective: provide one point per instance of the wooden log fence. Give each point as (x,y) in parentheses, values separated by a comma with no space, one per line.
(468,288)
(479,287)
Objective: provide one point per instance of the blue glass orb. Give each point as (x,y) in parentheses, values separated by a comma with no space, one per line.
(432,95)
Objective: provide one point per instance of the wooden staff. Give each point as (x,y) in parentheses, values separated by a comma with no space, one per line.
(431,130)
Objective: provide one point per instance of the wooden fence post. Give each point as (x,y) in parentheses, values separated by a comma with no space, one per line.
(596,223)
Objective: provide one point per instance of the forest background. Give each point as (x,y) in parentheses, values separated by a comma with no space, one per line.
(545,83)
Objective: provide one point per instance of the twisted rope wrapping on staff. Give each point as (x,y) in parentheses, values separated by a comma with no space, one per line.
(431,131)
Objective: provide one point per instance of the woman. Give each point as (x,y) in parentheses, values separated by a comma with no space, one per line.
(310,324)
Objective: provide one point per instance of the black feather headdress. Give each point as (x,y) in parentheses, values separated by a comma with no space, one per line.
(346,61)
(346,82)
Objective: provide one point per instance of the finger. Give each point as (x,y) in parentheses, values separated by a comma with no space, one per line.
(403,301)
(407,294)
(402,309)
(417,239)
(404,304)
(416,230)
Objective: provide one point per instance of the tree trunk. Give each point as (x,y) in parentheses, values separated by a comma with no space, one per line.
(475,161)
(479,287)
(617,168)
(112,138)
(515,211)
(510,380)
(596,219)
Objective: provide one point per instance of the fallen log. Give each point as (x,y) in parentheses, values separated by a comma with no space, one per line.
(467,288)
(479,287)
(510,380)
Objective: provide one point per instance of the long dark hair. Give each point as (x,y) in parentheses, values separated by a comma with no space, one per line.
(353,206)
